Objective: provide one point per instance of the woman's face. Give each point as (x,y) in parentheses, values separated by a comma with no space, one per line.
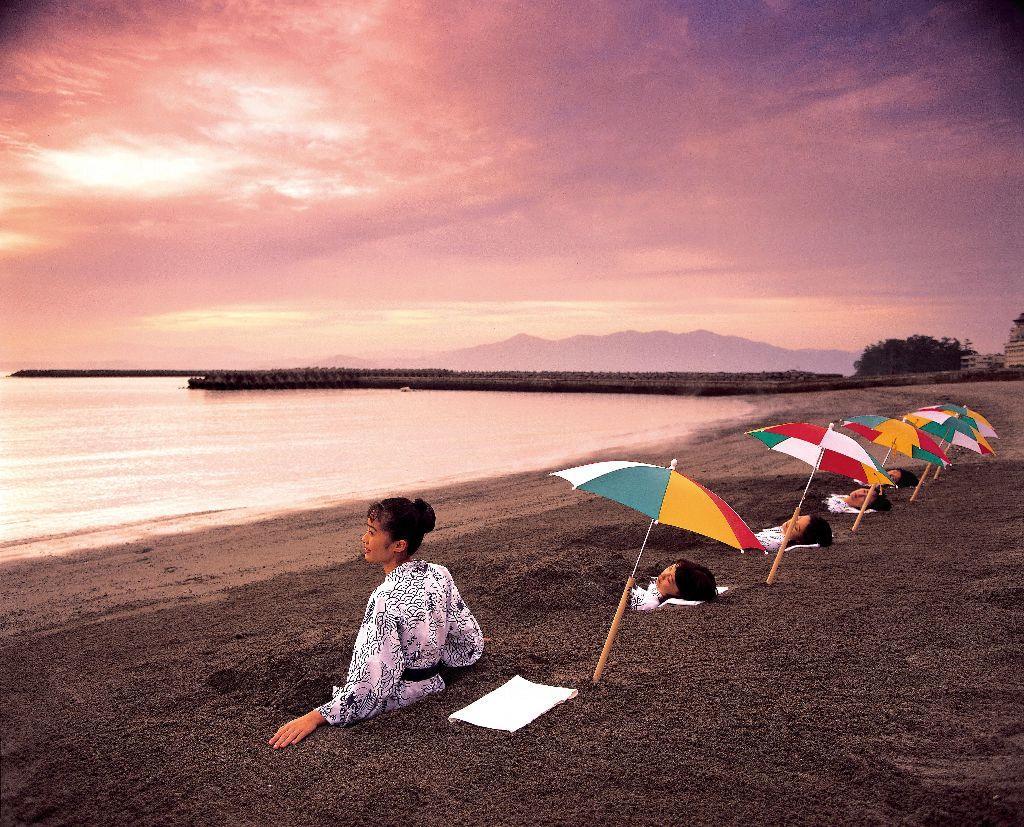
(895,475)
(856,498)
(667,582)
(378,547)
(799,528)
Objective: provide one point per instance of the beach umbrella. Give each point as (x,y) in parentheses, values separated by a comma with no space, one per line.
(987,430)
(952,429)
(667,497)
(823,449)
(896,435)
(973,418)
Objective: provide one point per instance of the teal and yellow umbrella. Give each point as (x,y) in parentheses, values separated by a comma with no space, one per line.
(666,496)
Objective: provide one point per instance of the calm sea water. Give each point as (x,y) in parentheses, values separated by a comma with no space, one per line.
(84,462)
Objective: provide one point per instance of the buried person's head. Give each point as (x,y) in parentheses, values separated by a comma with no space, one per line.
(808,530)
(881,502)
(855,499)
(688,580)
(903,478)
(818,531)
(876,499)
(395,529)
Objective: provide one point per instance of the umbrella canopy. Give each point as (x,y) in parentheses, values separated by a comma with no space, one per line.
(664,495)
(899,436)
(951,428)
(956,410)
(838,453)
(973,418)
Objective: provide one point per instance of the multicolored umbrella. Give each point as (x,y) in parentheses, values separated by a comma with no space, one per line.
(666,496)
(950,428)
(898,435)
(976,420)
(823,448)
(960,414)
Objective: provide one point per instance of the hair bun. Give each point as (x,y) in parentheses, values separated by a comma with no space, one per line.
(426,512)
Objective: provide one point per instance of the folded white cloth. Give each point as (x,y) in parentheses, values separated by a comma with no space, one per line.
(513,705)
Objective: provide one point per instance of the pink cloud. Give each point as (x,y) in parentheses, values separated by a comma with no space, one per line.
(172,159)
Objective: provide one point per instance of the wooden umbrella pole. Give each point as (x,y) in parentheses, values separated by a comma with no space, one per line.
(613,631)
(871,491)
(863,507)
(782,548)
(792,522)
(920,482)
(938,468)
(621,610)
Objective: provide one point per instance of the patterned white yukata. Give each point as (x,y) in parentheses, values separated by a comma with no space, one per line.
(837,504)
(416,619)
(771,538)
(645,600)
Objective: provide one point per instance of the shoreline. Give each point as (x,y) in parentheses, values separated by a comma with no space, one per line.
(151,529)
(173,567)
(207,574)
(878,680)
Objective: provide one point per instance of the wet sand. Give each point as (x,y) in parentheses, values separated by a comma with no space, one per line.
(879,680)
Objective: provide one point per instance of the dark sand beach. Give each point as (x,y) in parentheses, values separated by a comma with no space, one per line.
(878,681)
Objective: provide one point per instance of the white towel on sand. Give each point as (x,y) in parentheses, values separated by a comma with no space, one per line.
(513,705)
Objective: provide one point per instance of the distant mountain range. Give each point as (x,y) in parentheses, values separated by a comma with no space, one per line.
(629,351)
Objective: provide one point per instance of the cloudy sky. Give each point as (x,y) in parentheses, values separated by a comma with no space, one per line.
(203,181)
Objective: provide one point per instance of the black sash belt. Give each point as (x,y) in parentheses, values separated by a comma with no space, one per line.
(423,674)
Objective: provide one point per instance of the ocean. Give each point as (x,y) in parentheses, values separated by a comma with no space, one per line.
(89,462)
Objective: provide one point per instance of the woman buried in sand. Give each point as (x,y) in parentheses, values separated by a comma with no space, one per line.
(847,504)
(808,531)
(684,579)
(903,478)
(839,504)
(415,623)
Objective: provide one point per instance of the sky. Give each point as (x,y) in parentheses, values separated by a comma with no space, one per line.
(205,184)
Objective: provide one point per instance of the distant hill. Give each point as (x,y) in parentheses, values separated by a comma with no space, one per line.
(633,351)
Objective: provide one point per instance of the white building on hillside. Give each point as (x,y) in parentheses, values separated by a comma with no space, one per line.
(982,361)
(1015,345)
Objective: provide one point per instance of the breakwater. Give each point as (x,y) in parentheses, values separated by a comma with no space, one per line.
(682,384)
(103,373)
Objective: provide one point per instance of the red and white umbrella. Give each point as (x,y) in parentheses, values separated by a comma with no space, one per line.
(821,448)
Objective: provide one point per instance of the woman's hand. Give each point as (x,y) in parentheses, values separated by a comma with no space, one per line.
(297,729)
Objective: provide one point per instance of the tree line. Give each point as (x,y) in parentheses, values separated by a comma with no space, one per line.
(915,354)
